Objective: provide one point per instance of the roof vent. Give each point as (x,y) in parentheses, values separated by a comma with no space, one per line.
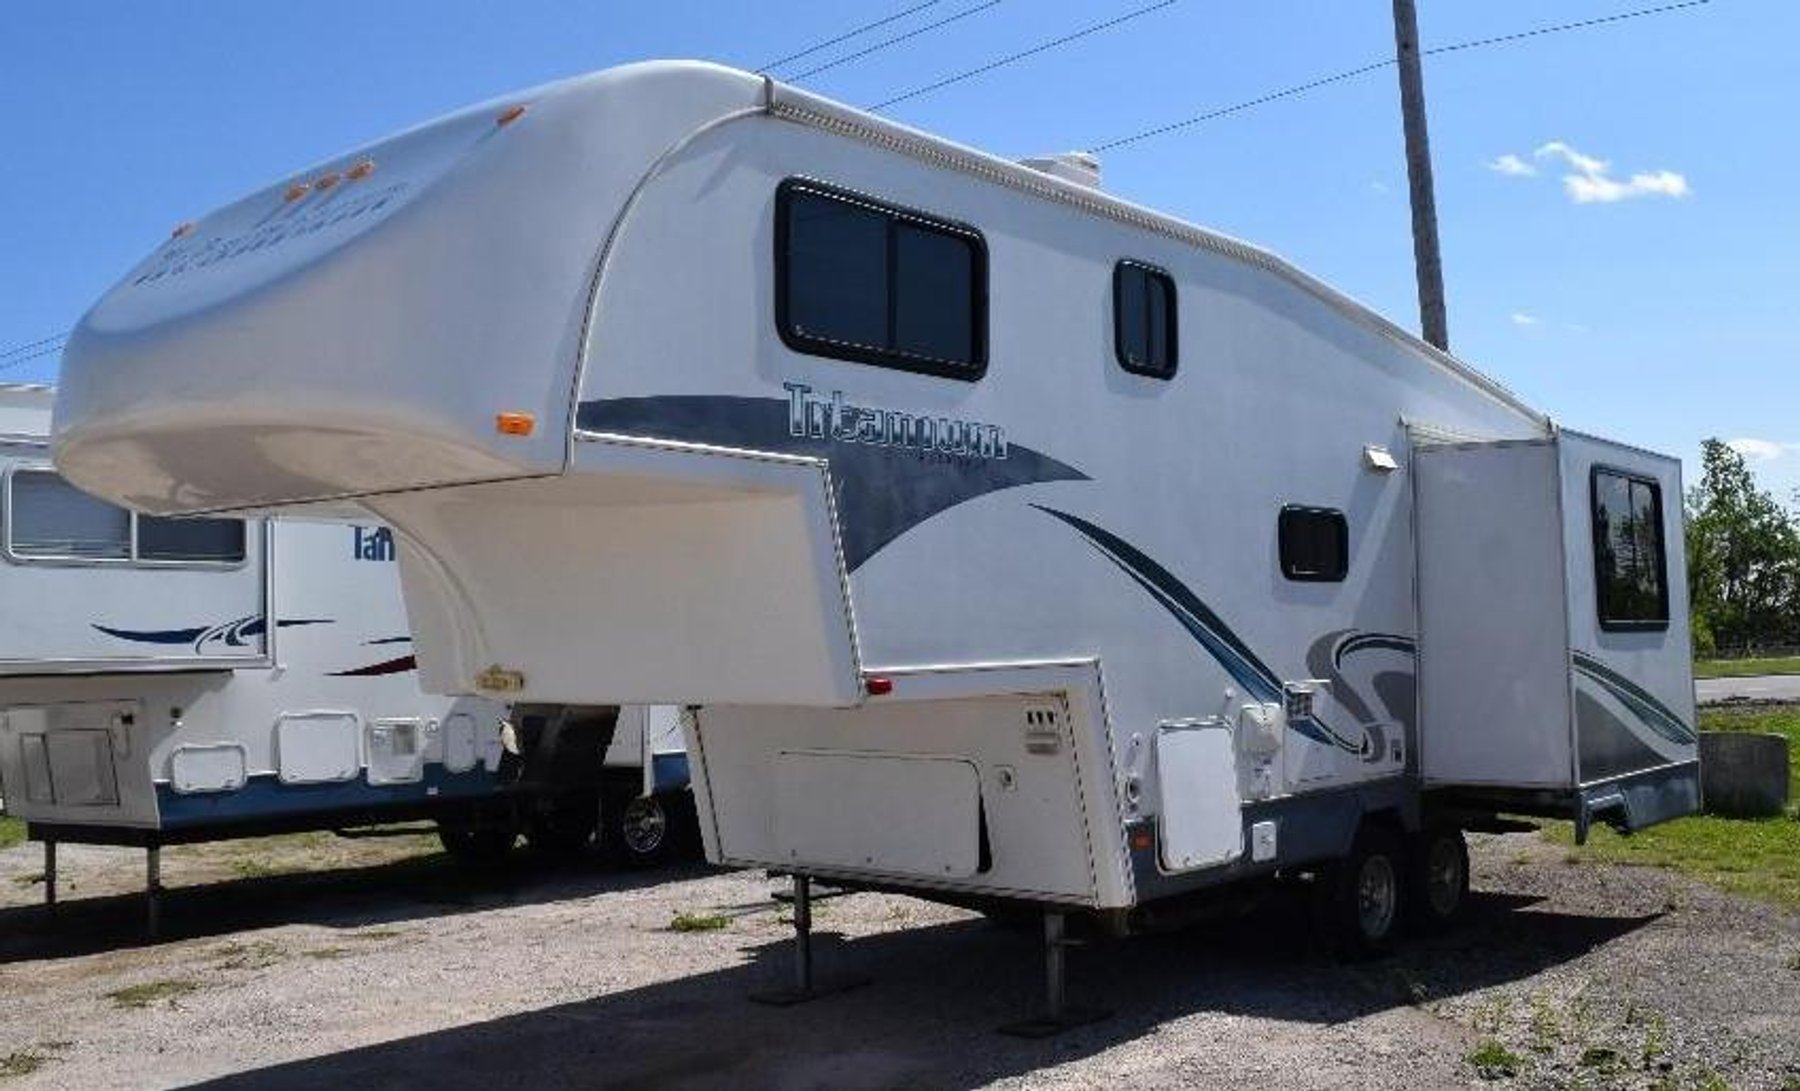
(1082,168)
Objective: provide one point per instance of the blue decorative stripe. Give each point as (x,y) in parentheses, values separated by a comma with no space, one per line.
(1206,627)
(1655,715)
(1358,642)
(266,797)
(233,634)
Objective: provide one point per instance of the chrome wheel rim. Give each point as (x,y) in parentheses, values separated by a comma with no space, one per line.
(1375,897)
(644,825)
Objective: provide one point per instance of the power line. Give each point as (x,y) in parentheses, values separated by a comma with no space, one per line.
(896,40)
(18,361)
(1019,56)
(847,35)
(1376,66)
(34,344)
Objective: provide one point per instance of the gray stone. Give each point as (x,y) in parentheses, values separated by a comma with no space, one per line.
(1742,774)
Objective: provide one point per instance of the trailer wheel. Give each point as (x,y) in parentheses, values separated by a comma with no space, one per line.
(646,830)
(476,845)
(1437,878)
(1364,893)
(566,827)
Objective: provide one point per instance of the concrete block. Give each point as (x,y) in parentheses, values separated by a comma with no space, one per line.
(1742,774)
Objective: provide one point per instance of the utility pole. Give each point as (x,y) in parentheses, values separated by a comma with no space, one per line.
(1426,262)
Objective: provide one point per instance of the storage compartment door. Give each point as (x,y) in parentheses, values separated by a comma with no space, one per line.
(1196,777)
(888,813)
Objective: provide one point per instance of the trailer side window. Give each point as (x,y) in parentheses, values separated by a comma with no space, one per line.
(48,519)
(1315,544)
(860,280)
(1631,584)
(1144,320)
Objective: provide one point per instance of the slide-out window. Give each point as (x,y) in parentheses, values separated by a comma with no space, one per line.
(1315,544)
(47,519)
(1144,319)
(1631,584)
(860,280)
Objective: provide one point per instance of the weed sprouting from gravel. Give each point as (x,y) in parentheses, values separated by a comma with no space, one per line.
(249,956)
(698,922)
(1793,962)
(330,954)
(1493,1061)
(33,879)
(142,996)
(22,1063)
(374,934)
(1546,1029)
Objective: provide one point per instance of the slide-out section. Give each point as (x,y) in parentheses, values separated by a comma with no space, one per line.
(1552,678)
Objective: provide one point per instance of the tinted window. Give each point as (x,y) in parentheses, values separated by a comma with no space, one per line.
(1144,319)
(837,271)
(48,517)
(1631,587)
(216,540)
(859,280)
(1315,544)
(934,292)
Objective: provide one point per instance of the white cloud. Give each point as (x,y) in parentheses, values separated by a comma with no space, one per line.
(1761,450)
(1520,318)
(1379,188)
(1592,183)
(1513,165)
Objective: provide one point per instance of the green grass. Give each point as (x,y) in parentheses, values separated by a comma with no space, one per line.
(142,996)
(698,922)
(1758,857)
(1493,1061)
(12,831)
(1742,668)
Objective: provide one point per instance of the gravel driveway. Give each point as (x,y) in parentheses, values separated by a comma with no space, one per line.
(386,972)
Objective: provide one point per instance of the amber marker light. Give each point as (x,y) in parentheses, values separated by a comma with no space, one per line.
(296,191)
(325,181)
(514,423)
(361,170)
(510,115)
(182,230)
(1142,840)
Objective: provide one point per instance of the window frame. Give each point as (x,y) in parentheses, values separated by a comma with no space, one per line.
(70,560)
(854,352)
(1297,576)
(1629,625)
(1154,273)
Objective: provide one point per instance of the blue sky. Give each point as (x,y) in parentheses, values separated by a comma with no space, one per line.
(1629,270)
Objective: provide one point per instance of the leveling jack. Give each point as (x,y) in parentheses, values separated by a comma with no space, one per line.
(1058,1014)
(805,988)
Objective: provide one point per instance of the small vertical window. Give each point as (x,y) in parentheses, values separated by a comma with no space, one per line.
(1631,586)
(1315,544)
(1144,319)
(860,280)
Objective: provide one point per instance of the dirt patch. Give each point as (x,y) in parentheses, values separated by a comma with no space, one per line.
(405,972)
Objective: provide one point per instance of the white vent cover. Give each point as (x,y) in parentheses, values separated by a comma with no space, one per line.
(1082,168)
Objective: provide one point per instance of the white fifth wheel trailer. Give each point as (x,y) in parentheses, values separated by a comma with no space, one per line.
(173,680)
(1006,541)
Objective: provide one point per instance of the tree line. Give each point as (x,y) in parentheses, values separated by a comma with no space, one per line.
(1743,551)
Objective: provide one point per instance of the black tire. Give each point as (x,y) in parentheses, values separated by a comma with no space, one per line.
(476,844)
(1364,894)
(1437,879)
(641,829)
(566,827)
